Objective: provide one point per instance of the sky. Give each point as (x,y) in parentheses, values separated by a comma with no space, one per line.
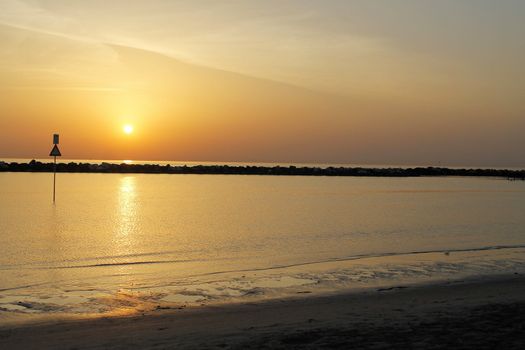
(356,81)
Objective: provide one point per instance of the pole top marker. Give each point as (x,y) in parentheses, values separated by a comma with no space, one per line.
(55,152)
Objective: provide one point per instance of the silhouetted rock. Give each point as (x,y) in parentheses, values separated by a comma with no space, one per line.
(104,167)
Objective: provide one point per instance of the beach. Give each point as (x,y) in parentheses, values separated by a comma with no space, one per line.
(481,314)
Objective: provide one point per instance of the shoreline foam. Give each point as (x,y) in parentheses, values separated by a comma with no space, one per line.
(479,313)
(101,297)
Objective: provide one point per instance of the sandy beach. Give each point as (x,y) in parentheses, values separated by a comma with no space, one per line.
(477,314)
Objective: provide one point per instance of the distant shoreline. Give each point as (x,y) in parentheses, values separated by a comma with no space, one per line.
(73,167)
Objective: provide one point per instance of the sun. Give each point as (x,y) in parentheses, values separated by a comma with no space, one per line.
(127,128)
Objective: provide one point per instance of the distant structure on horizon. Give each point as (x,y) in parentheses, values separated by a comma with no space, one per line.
(72,167)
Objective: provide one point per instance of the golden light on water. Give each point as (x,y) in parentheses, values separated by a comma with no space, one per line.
(127,206)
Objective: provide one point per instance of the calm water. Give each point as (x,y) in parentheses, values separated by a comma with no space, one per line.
(122,243)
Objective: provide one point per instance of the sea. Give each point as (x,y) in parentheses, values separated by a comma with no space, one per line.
(126,244)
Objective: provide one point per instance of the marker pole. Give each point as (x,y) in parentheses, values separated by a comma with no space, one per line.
(55,152)
(54,176)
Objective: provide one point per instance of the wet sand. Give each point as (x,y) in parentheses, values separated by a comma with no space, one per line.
(483,314)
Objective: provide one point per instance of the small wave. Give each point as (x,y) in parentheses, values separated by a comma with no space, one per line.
(335,259)
(23,287)
(277,267)
(284,266)
(106,257)
(148,262)
(366,256)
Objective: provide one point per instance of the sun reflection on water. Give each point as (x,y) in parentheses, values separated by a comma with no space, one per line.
(126,223)
(127,207)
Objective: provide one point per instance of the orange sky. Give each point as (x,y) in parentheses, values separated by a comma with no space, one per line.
(297,81)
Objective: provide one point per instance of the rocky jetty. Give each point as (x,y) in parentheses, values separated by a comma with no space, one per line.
(72,167)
